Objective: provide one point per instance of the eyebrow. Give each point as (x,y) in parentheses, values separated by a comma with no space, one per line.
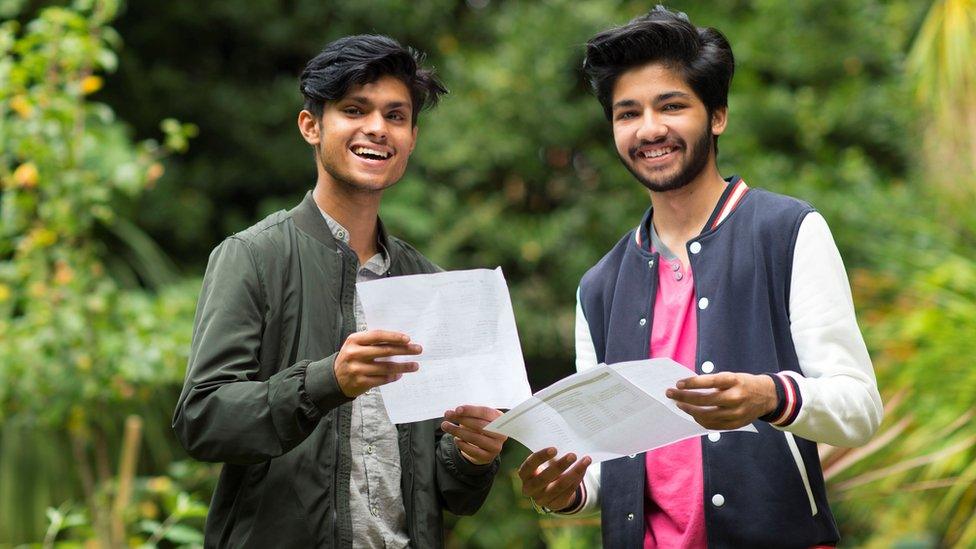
(391,105)
(627,103)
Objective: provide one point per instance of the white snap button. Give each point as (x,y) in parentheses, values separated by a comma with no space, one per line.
(703,303)
(714,437)
(630,516)
(376,512)
(632,456)
(707,367)
(695,247)
(718,500)
(643,321)
(650,264)
(369,448)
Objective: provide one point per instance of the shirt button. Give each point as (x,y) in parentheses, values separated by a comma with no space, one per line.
(630,516)
(341,234)
(718,500)
(376,512)
(632,456)
(695,247)
(678,275)
(675,266)
(643,321)
(650,264)
(369,448)
(714,437)
(703,303)
(707,367)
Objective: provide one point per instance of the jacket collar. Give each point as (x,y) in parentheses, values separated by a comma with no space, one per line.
(735,189)
(309,219)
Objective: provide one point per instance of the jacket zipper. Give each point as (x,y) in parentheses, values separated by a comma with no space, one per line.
(798,459)
(338,415)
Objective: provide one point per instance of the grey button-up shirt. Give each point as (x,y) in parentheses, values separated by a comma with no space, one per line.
(375,497)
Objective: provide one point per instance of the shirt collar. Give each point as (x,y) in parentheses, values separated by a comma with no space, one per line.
(378,264)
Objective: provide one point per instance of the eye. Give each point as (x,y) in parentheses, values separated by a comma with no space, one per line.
(672,107)
(352,111)
(626,115)
(397,116)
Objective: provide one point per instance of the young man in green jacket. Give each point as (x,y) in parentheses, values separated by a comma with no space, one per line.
(282,377)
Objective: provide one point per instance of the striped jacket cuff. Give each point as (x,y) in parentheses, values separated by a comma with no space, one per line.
(789,401)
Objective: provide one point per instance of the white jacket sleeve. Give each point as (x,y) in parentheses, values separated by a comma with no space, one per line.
(586,359)
(838,396)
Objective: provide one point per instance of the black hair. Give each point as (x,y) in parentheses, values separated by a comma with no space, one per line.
(363,59)
(701,55)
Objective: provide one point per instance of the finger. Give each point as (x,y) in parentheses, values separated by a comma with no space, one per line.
(479,412)
(384,368)
(560,492)
(720,381)
(479,454)
(475,423)
(383,350)
(532,463)
(377,337)
(553,469)
(474,437)
(698,397)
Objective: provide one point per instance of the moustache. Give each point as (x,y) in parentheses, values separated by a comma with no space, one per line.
(677,143)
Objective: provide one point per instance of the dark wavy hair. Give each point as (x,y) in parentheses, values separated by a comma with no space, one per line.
(363,59)
(701,55)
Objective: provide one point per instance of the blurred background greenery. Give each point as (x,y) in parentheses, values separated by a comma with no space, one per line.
(134,137)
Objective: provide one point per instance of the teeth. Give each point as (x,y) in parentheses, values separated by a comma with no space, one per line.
(371,152)
(657,152)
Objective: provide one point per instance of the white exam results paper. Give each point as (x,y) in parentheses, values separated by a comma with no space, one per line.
(465,324)
(606,412)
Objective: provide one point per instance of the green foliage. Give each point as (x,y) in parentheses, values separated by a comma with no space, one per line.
(515,168)
(77,344)
(167,510)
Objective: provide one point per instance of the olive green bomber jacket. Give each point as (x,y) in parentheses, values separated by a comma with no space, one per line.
(261,394)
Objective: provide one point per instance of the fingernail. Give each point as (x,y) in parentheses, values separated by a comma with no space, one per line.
(551,452)
(669,393)
(680,385)
(459,410)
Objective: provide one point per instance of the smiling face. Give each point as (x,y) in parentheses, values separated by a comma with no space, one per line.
(363,140)
(661,128)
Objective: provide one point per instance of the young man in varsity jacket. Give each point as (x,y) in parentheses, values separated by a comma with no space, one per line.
(743,287)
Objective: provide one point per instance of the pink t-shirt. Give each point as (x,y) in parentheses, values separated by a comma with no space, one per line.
(674,512)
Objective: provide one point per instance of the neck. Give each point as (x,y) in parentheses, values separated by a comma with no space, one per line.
(681,214)
(357,211)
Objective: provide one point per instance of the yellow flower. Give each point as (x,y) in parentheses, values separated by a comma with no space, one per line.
(43,237)
(4,292)
(153,173)
(63,274)
(91,84)
(21,106)
(159,484)
(26,175)
(148,509)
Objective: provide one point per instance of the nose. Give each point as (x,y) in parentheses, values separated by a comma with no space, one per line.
(375,125)
(651,127)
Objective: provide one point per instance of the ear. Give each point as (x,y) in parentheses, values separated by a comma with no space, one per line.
(414,142)
(309,127)
(720,117)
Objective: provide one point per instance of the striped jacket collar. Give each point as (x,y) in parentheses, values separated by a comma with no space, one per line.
(730,199)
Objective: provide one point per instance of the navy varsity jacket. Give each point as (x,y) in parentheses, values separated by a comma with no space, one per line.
(760,491)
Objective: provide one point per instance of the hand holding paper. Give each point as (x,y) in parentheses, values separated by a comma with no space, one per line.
(735,399)
(465,323)
(605,413)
